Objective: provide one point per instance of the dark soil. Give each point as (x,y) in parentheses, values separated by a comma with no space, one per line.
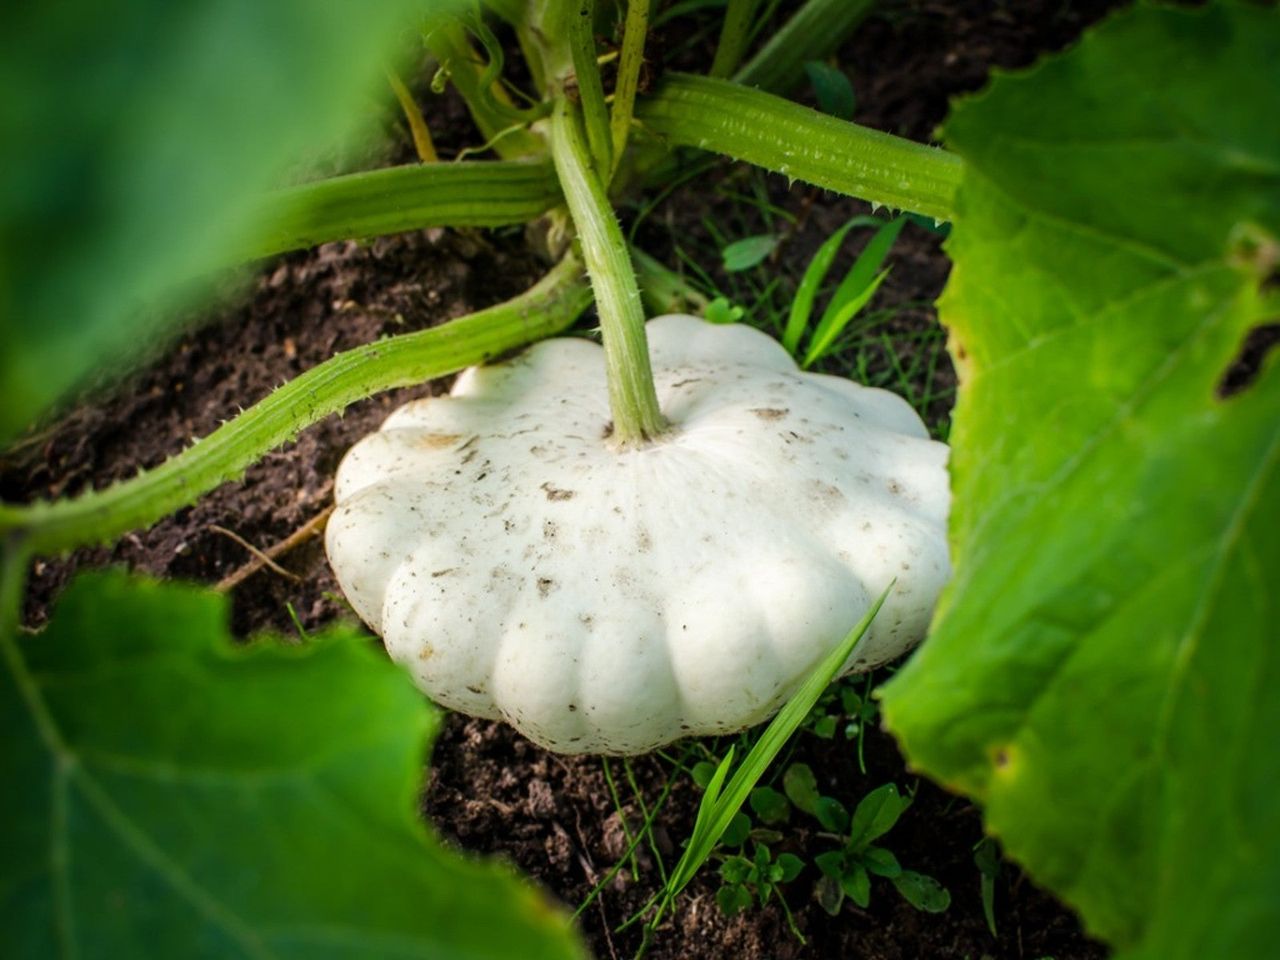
(489,790)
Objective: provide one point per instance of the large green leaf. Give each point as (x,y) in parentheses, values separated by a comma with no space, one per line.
(167,794)
(136,137)
(1103,672)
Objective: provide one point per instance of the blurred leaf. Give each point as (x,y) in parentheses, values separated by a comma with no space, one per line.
(832,89)
(702,773)
(137,139)
(735,869)
(1102,672)
(851,702)
(829,893)
(720,310)
(748,252)
(736,833)
(825,727)
(733,899)
(168,794)
(801,787)
(769,805)
(790,866)
(986,857)
(922,892)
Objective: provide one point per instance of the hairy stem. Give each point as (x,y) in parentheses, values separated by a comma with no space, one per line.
(734,32)
(803,144)
(98,516)
(361,205)
(632,398)
(662,289)
(635,30)
(595,114)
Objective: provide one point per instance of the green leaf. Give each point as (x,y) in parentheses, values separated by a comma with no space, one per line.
(770,805)
(735,869)
(825,727)
(922,892)
(832,88)
(829,894)
(702,773)
(720,310)
(736,833)
(801,787)
(139,139)
(733,899)
(832,814)
(790,866)
(831,863)
(881,862)
(876,814)
(168,794)
(748,252)
(1102,673)
(851,702)
(986,857)
(856,883)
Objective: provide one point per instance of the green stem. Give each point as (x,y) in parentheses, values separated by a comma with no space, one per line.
(632,398)
(582,44)
(662,289)
(491,109)
(13,574)
(98,516)
(814,33)
(361,205)
(733,37)
(803,144)
(423,145)
(624,90)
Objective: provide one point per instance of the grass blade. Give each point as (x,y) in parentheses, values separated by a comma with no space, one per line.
(719,806)
(857,287)
(807,292)
(827,332)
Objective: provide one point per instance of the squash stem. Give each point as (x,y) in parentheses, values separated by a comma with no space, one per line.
(586,70)
(632,398)
(624,90)
(803,144)
(98,516)
(734,37)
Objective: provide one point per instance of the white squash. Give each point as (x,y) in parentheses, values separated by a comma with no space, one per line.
(603,600)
